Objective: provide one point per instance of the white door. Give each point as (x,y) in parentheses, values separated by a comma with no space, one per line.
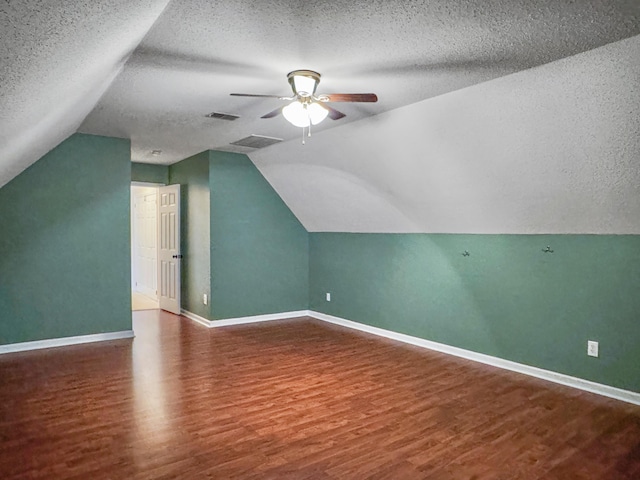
(169,248)
(145,232)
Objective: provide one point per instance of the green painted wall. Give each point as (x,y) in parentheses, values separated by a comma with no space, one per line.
(507,299)
(193,176)
(259,249)
(149,173)
(65,238)
(64,228)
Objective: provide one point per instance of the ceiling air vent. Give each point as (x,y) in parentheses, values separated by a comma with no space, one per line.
(223,116)
(256,141)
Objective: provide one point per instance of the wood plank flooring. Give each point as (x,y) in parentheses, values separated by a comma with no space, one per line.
(295,399)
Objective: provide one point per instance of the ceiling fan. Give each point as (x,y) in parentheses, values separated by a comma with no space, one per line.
(307,108)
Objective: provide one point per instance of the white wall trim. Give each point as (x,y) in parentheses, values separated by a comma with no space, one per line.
(593,387)
(65,341)
(195,318)
(225,322)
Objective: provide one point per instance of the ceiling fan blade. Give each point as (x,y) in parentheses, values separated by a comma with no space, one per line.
(260,95)
(333,113)
(272,114)
(349,97)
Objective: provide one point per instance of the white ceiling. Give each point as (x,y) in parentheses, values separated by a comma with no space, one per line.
(150,70)
(552,149)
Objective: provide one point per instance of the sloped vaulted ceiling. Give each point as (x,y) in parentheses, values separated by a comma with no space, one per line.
(57,58)
(553,149)
(150,70)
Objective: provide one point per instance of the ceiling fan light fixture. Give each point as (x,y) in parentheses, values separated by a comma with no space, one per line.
(304,82)
(304,114)
(317,113)
(296,114)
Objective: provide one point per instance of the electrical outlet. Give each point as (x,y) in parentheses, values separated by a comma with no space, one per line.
(592,348)
(328,297)
(204,299)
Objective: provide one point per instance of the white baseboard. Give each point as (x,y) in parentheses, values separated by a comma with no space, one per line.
(195,318)
(225,322)
(593,387)
(65,341)
(147,292)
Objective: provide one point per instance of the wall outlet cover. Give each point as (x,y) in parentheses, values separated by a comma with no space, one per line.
(592,348)
(328,297)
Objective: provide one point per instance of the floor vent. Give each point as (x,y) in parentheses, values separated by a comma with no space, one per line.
(256,141)
(223,116)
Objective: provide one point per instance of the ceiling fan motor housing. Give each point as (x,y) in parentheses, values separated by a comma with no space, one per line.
(303,82)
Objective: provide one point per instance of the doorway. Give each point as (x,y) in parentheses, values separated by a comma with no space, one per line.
(144,247)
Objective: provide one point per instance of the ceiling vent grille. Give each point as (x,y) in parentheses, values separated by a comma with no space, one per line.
(256,141)
(223,116)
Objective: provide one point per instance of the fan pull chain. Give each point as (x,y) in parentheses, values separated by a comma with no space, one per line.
(303,135)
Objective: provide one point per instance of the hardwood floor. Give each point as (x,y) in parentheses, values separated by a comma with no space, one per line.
(295,399)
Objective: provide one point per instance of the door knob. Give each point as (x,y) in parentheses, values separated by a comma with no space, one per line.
(176,256)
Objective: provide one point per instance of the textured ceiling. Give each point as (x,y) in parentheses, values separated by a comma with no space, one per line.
(199,51)
(57,58)
(552,149)
(150,70)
